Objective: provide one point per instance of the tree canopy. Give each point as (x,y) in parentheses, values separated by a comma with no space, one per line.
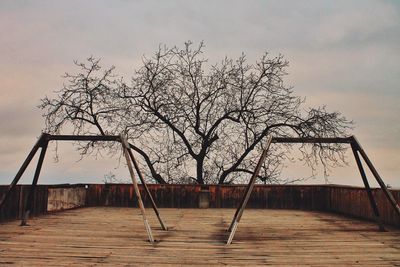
(193,122)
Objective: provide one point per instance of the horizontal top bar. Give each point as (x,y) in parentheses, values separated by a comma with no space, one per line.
(51,137)
(312,140)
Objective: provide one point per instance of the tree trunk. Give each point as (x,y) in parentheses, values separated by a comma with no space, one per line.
(199,170)
(222,178)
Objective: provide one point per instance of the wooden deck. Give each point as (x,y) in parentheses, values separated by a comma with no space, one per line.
(116,236)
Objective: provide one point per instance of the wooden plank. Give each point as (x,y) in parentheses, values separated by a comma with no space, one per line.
(114,236)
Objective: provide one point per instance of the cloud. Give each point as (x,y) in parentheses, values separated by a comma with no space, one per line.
(343,54)
(351,22)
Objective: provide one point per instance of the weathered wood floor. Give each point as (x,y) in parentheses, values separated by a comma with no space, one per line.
(116,236)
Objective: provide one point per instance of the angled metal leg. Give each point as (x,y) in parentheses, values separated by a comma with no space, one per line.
(368,189)
(125,148)
(146,189)
(22,169)
(387,193)
(249,189)
(30,200)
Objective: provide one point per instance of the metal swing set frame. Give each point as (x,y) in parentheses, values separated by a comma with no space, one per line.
(45,138)
(43,142)
(357,151)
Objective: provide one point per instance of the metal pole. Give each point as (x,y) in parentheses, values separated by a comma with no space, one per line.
(30,200)
(368,188)
(22,169)
(146,189)
(125,148)
(249,189)
(388,195)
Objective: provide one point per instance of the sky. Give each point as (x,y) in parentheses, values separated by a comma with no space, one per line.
(342,54)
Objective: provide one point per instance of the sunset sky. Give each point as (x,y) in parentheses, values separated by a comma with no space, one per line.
(342,54)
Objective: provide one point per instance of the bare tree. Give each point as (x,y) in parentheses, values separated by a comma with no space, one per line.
(201,123)
(87,104)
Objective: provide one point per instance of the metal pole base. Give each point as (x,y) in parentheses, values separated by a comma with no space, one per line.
(232,234)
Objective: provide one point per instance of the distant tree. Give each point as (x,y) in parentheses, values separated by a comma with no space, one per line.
(192,122)
(111,178)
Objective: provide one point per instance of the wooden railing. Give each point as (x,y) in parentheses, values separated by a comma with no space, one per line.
(47,198)
(352,201)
